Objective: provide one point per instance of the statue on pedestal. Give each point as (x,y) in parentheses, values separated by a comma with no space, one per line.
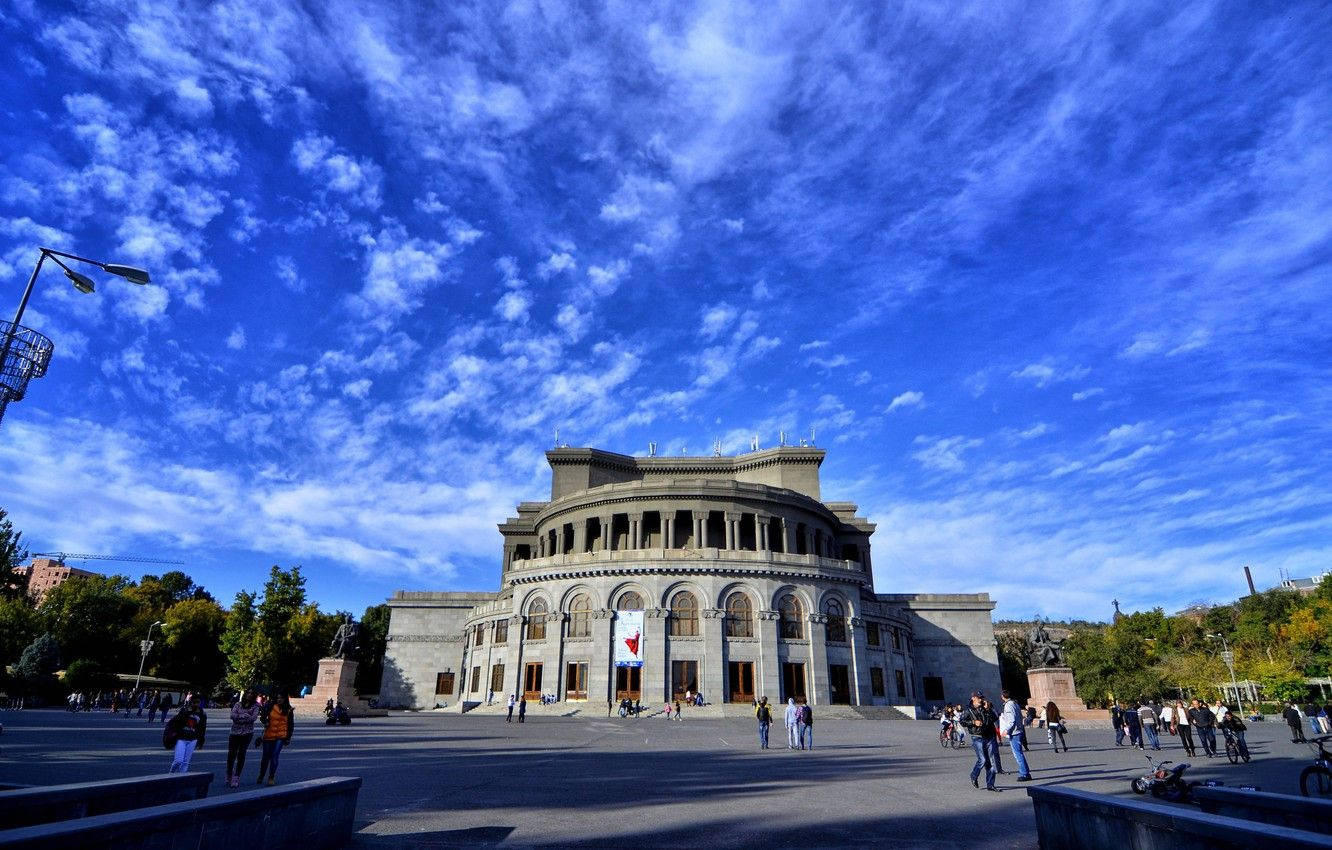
(1044,651)
(344,642)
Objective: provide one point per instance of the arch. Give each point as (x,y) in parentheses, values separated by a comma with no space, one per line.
(537,609)
(570,593)
(835,628)
(684,614)
(790,617)
(580,616)
(629,600)
(739,614)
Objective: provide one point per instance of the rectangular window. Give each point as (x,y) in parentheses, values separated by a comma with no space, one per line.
(933,686)
(502,631)
(793,681)
(901,685)
(476,679)
(497,678)
(575,680)
(684,678)
(876,681)
(872,634)
(443,683)
(897,638)
(532,681)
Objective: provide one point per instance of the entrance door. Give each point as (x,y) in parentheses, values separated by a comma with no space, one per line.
(684,678)
(575,680)
(793,682)
(839,684)
(628,683)
(532,681)
(740,680)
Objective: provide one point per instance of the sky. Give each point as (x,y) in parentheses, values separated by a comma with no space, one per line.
(1048,281)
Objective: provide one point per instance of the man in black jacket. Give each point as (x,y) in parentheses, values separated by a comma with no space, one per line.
(981,722)
(1204,720)
(1292,718)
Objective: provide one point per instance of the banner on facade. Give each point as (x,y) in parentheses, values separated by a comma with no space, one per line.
(628,638)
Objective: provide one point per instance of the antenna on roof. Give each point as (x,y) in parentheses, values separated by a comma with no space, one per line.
(753,444)
(716,447)
(652,449)
(557,438)
(811,435)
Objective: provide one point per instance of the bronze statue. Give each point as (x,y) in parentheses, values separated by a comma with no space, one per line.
(1044,650)
(344,642)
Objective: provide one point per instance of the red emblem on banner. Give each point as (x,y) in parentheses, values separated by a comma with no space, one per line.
(632,643)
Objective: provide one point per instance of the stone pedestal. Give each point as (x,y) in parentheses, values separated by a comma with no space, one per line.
(334,682)
(1055,684)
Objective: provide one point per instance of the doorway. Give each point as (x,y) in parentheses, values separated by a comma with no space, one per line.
(793,682)
(740,680)
(628,683)
(575,680)
(839,683)
(684,678)
(532,681)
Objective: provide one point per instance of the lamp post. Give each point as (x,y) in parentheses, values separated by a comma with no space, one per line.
(25,353)
(145,647)
(1228,657)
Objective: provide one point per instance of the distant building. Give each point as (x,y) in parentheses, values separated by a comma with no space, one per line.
(1303,585)
(1195,612)
(46,574)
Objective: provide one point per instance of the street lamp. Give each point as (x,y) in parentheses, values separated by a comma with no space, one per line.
(1228,657)
(145,647)
(26,353)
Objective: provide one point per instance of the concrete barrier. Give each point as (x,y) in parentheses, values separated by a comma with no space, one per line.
(311,815)
(48,803)
(1313,815)
(1081,820)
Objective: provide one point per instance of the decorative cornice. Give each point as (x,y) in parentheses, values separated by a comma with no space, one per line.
(426,638)
(769,615)
(714,614)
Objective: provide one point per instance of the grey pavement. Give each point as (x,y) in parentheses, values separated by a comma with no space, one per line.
(444,780)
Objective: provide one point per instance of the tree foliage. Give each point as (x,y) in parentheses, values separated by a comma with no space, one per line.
(373,644)
(12,554)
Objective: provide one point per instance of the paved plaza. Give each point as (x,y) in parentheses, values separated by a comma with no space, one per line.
(443,780)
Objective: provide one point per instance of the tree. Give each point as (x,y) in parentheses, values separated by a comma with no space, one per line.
(35,671)
(12,554)
(279,640)
(89,615)
(373,645)
(243,644)
(84,675)
(192,636)
(1013,657)
(19,624)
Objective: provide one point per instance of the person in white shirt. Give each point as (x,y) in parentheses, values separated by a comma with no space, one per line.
(1010,723)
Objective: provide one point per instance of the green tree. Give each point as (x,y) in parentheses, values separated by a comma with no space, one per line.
(1013,657)
(12,554)
(373,644)
(88,617)
(245,648)
(85,675)
(19,624)
(278,640)
(192,642)
(35,671)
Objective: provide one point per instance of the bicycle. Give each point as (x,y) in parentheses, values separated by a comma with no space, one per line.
(1316,779)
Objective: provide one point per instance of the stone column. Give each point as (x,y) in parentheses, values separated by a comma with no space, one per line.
(656,669)
(554,631)
(788,536)
(517,638)
(600,674)
(700,528)
(712,663)
(490,658)
(607,523)
(818,660)
(761,532)
(730,523)
(559,540)
(768,676)
(859,673)
(635,531)
(667,529)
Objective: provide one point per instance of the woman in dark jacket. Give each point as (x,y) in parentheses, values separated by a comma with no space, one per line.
(1054,726)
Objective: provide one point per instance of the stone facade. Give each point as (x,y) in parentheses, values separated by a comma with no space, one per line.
(748,583)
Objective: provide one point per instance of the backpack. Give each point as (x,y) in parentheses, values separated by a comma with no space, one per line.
(806,715)
(170,734)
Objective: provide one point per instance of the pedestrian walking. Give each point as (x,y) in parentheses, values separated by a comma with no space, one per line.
(678,714)
(805,726)
(981,722)
(994,742)
(1295,720)
(791,719)
(513,700)
(522,709)
(1133,723)
(244,714)
(1117,721)
(1010,724)
(1147,717)
(153,705)
(165,707)
(1054,726)
(1204,721)
(279,721)
(764,716)
(187,728)
(1183,727)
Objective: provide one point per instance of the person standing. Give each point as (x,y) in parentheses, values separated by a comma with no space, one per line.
(764,716)
(791,719)
(678,714)
(1296,723)
(514,701)
(1167,713)
(165,707)
(189,726)
(980,721)
(279,722)
(1133,723)
(1010,725)
(805,726)
(1184,728)
(1117,721)
(243,716)
(1054,726)
(1147,717)
(1205,722)
(522,709)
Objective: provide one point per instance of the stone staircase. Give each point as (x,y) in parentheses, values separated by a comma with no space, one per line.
(711,711)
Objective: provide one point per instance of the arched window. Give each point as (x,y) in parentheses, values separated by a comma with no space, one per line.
(739,616)
(791,617)
(630,601)
(836,628)
(536,620)
(684,614)
(580,619)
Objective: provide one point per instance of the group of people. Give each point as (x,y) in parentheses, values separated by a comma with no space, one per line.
(186,730)
(799,720)
(1319,718)
(117,702)
(1142,723)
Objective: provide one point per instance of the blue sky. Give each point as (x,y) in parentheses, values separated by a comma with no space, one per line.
(1050,281)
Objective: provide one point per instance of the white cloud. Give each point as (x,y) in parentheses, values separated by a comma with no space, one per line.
(357,389)
(192,98)
(813,345)
(717,319)
(1044,374)
(943,454)
(1083,395)
(735,225)
(236,339)
(605,279)
(560,261)
(399,270)
(513,306)
(910,398)
(317,157)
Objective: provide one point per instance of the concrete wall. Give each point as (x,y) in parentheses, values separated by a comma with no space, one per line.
(953,639)
(425,638)
(1307,813)
(49,803)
